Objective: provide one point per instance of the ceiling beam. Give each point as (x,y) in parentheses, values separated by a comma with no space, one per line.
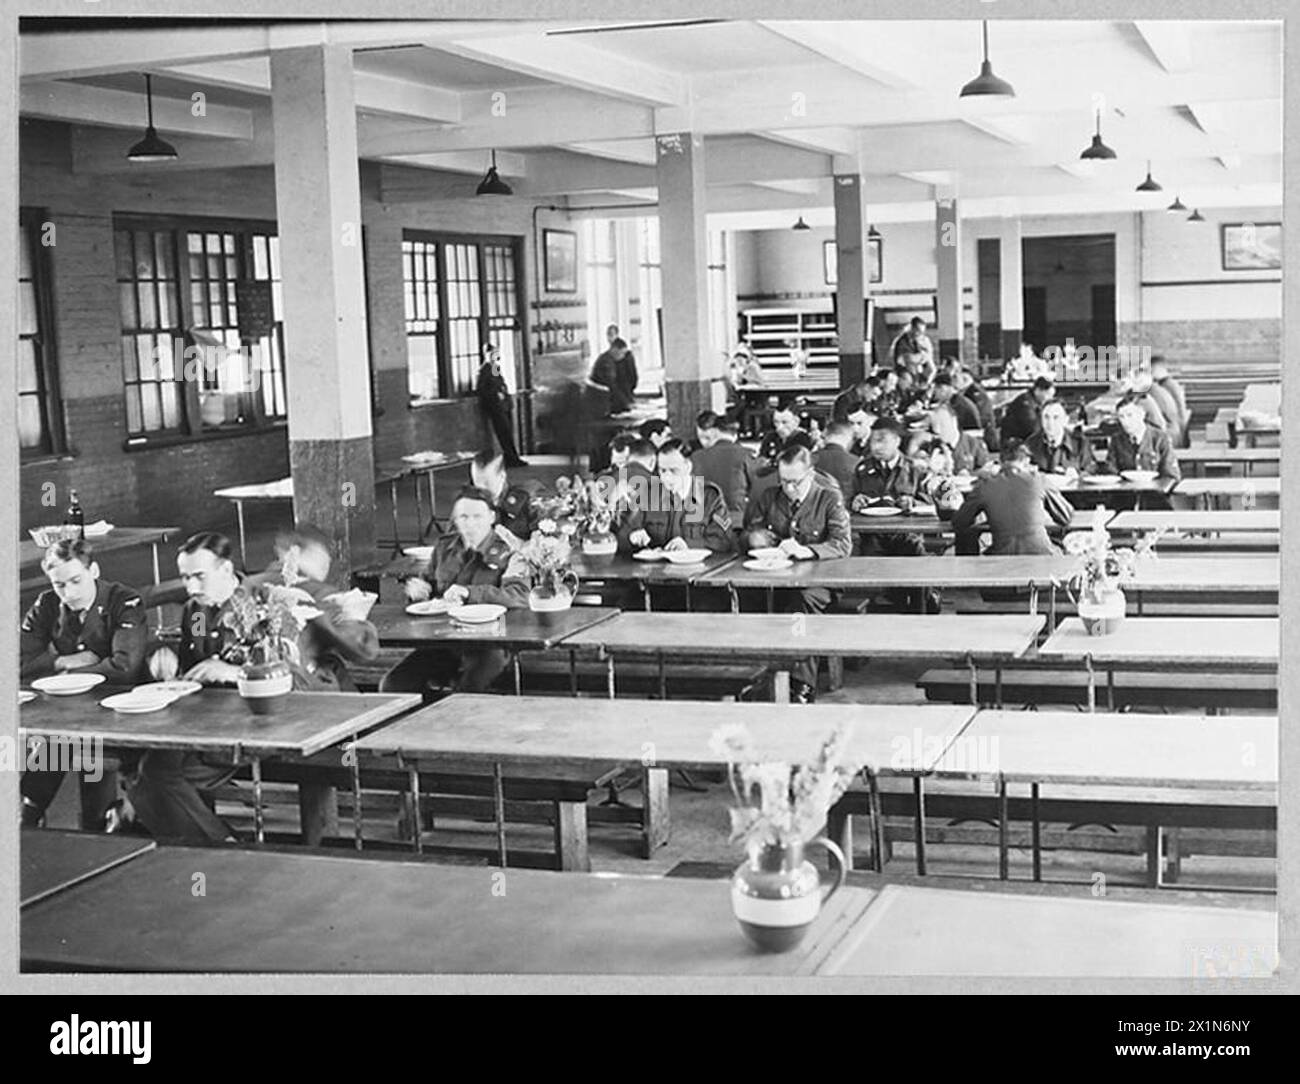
(1170,43)
(858,47)
(840,141)
(639,151)
(80,103)
(509,164)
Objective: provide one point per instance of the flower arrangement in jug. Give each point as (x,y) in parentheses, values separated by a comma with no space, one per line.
(266,621)
(776,804)
(589,506)
(1102,567)
(547,554)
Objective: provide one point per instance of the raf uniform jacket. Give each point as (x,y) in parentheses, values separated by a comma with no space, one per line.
(1018,506)
(840,464)
(731,468)
(491,571)
(1021,417)
(773,442)
(491,388)
(203,635)
(113,628)
(875,480)
(1154,452)
(515,512)
(1074,452)
(702,524)
(819,521)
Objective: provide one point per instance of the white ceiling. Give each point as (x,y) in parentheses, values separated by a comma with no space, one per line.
(783,105)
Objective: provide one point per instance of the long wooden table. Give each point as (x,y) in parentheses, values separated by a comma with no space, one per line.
(929,523)
(1196,643)
(216,721)
(1219,753)
(1196,522)
(502,733)
(275,912)
(51,860)
(1200,456)
(993,639)
(1210,491)
(621,568)
(934,931)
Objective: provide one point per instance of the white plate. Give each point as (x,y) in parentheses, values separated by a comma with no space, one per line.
(172,689)
(424,553)
(686,557)
(924,510)
(767,553)
(26,696)
(481,613)
(432,607)
(1140,476)
(424,457)
(68,684)
(98,529)
(1101,479)
(883,510)
(649,555)
(771,565)
(133,703)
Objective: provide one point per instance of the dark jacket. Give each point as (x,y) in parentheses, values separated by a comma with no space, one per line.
(845,404)
(874,480)
(330,642)
(637,482)
(1020,419)
(968,454)
(491,387)
(1018,506)
(1074,452)
(772,443)
(491,572)
(515,512)
(204,635)
(821,521)
(730,467)
(968,415)
(113,628)
(703,523)
(1154,452)
(611,374)
(840,464)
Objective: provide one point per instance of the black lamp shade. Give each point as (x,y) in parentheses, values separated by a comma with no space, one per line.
(152,148)
(987,85)
(493,185)
(873,234)
(1149,185)
(1196,216)
(801,225)
(1176,206)
(1097,151)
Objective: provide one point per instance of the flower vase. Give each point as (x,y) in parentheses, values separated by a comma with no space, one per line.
(1102,610)
(776,895)
(600,544)
(265,686)
(554,594)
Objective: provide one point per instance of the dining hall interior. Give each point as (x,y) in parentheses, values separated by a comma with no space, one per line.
(796,497)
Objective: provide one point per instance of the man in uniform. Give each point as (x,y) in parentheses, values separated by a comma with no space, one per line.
(728,465)
(469,566)
(615,369)
(1139,446)
(969,388)
(1162,379)
(807,521)
(690,513)
(81,625)
(494,398)
(861,419)
(513,505)
(1021,416)
(835,459)
(1055,448)
(967,413)
(785,424)
(1018,505)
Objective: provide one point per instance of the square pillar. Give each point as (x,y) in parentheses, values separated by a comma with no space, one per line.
(947,255)
(1011,278)
(850,290)
(318,204)
(683,255)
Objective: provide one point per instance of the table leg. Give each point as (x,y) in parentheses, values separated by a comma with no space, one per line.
(1051,612)
(609,675)
(1092,682)
(499,808)
(419,508)
(157,579)
(781,686)
(1110,690)
(433,502)
(771,599)
(1036,829)
(877,823)
(259,815)
(417,821)
(573,672)
(356,792)
(974,679)
(397,534)
(645,595)
(997,687)
(1004,864)
(735,598)
(688,596)
(1033,600)
(519,676)
(663,679)
(919,794)
(243,548)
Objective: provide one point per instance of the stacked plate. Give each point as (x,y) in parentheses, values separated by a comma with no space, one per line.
(155,696)
(68,684)
(434,607)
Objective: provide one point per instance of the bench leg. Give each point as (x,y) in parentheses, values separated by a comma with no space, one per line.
(839,830)
(656,822)
(97,796)
(1155,856)
(571,836)
(834,672)
(318,812)
(1175,856)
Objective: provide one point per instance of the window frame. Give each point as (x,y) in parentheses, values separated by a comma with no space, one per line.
(45,341)
(192,429)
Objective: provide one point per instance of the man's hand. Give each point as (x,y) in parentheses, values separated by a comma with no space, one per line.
(64,663)
(675,544)
(164,665)
(639,537)
(795,550)
(417,590)
(214,672)
(456,594)
(859,502)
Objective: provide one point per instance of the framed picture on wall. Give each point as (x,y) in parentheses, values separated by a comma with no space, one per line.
(830,262)
(1251,246)
(560,259)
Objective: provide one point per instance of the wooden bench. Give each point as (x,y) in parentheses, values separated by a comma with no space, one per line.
(551,672)
(1133,689)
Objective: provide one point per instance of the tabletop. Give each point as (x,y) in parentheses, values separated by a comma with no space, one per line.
(1222,752)
(520,731)
(50,860)
(30,554)
(217,720)
(984,636)
(1172,641)
(1081,520)
(1229,487)
(279,490)
(1188,520)
(518,630)
(623,567)
(1080,487)
(1221,453)
(276,912)
(1226,573)
(911,930)
(400,468)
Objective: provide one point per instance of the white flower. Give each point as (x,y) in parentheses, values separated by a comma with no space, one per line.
(304,614)
(546,526)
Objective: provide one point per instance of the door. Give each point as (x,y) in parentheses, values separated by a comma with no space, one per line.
(1103,314)
(1035,302)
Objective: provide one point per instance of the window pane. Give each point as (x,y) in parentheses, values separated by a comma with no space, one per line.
(166,360)
(126,306)
(166,304)
(232,268)
(26,308)
(228,243)
(261,266)
(199,305)
(171,406)
(164,261)
(25,238)
(194,242)
(277,300)
(214,267)
(152,416)
(133,409)
(31,431)
(198,269)
(27,366)
(148,311)
(212,244)
(143,255)
(144,348)
(130,371)
(122,253)
(275,257)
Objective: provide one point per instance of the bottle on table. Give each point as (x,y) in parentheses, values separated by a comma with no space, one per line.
(75,517)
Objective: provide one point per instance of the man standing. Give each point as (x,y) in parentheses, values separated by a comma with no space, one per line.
(1018,505)
(495,400)
(1021,417)
(81,625)
(689,513)
(615,369)
(913,341)
(807,521)
(835,459)
(728,465)
(1057,449)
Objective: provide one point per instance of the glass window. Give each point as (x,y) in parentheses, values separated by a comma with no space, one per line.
(39,431)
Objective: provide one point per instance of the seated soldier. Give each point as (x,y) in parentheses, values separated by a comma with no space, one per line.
(82,625)
(835,459)
(861,419)
(1055,448)
(943,390)
(1139,446)
(785,424)
(516,516)
(1018,505)
(626,487)
(689,513)
(728,465)
(807,521)
(949,449)
(470,566)
(656,431)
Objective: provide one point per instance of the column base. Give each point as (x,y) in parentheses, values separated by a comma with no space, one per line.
(686,399)
(334,491)
(1011,340)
